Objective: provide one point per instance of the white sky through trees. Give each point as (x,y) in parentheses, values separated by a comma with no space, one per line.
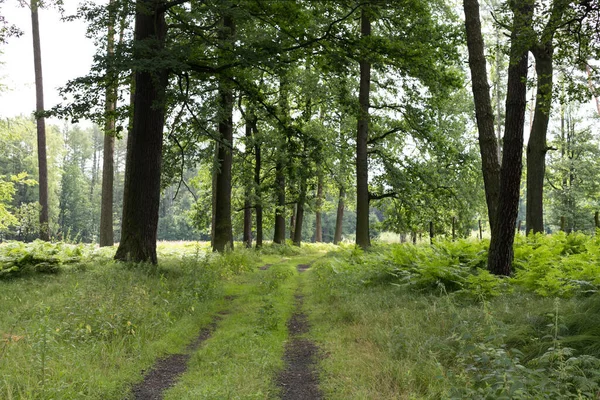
(66,54)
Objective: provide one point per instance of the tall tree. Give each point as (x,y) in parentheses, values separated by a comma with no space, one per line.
(488,144)
(319,205)
(106,204)
(41,122)
(500,254)
(543,52)
(141,197)
(223,234)
(279,234)
(362,136)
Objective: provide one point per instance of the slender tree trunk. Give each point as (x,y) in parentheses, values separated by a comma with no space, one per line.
(537,147)
(106,202)
(362,164)
(300,213)
(337,237)
(247,231)
(484,113)
(257,189)
(41,123)
(500,254)
(280,228)
(318,223)
(215,167)
(279,236)
(141,197)
(223,227)
(293,221)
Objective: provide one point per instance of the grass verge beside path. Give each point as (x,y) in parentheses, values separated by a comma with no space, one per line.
(90,328)
(388,339)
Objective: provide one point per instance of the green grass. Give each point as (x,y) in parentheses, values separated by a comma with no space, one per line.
(243,356)
(405,322)
(396,322)
(88,330)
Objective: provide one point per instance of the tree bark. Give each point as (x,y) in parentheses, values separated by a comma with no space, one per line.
(337,237)
(257,189)
(318,223)
(300,213)
(106,202)
(141,197)
(484,113)
(247,231)
(543,51)
(280,227)
(293,221)
(41,123)
(500,254)
(362,136)
(223,227)
(279,235)
(537,147)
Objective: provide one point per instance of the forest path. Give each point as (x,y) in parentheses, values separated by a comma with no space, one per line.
(258,305)
(299,379)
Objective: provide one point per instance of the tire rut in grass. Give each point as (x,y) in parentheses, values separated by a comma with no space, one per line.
(166,371)
(299,381)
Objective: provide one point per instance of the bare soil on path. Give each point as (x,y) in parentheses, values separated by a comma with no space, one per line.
(299,380)
(166,371)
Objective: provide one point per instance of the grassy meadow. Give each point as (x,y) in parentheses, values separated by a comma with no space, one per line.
(396,322)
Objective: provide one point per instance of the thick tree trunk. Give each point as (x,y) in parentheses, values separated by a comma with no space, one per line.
(337,237)
(362,136)
(41,123)
(300,213)
(484,113)
(543,51)
(223,229)
(537,147)
(257,190)
(141,197)
(318,222)
(500,254)
(106,202)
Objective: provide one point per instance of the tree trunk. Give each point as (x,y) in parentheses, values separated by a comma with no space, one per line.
(500,254)
(106,202)
(484,113)
(543,51)
(362,135)
(141,197)
(300,212)
(280,228)
(223,228)
(213,191)
(337,237)
(318,223)
(279,236)
(247,231)
(537,147)
(41,123)
(293,221)
(257,189)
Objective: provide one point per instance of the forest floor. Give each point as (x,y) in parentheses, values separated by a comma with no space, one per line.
(320,322)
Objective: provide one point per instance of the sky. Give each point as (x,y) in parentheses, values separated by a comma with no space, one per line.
(66,54)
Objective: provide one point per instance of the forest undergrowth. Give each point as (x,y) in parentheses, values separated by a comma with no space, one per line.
(406,321)
(398,321)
